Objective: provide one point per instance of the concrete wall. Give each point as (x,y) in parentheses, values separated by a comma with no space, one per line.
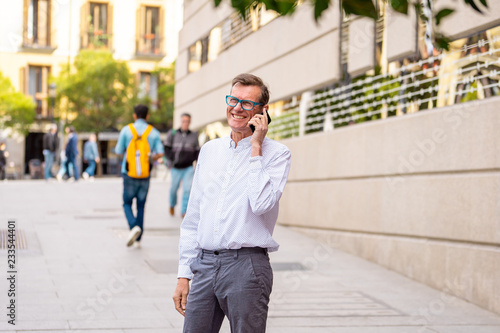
(291,54)
(419,194)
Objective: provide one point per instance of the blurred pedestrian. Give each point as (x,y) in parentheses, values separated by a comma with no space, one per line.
(3,159)
(72,152)
(90,156)
(63,167)
(181,149)
(140,144)
(227,232)
(50,143)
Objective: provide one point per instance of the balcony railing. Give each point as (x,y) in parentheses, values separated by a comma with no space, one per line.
(469,72)
(97,39)
(150,45)
(42,43)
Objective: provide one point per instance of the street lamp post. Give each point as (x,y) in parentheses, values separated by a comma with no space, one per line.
(52,97)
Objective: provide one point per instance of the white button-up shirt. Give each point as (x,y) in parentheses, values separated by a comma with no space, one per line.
(234,199)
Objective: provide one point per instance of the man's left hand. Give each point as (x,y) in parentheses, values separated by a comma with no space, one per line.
(260,123)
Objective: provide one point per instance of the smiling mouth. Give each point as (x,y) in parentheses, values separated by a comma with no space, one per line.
(238,117)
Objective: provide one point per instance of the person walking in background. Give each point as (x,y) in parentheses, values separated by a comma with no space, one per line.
(181,150)
(90,156)
(3,159)
(50,143)
(227,232)
(141,144)
(63,167)
(72,151)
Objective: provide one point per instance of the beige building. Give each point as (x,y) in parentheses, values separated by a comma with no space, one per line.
(37,37)
(394,142)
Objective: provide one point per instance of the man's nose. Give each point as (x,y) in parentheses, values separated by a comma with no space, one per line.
(238,106)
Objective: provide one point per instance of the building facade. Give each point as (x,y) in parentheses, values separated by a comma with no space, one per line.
(394,141)
(38,37)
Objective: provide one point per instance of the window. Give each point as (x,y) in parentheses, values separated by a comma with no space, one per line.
(37,23)
(150,31)
(194,54)
(96,25)
(148,87)
(37,87)
(225,34)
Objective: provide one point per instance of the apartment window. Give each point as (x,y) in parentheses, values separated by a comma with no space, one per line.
(150,31)
(96,25)
(225,34)
(148,87)
(34,82)
(37,23)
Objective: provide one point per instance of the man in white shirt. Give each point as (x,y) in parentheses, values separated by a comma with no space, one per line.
(227,231)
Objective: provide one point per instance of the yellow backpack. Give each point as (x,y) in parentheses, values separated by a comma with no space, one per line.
(138,152)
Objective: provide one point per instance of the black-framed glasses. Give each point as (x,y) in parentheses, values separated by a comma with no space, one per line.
(245,104)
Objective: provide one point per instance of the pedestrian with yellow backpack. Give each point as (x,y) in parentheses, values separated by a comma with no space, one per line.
(140,144)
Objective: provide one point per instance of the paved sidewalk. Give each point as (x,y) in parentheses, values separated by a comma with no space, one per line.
(77,275)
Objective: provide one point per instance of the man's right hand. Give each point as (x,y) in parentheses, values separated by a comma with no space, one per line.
(180,295)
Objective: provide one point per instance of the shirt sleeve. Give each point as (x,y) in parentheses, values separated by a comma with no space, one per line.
(188,244)
(121,144)
(158,146)
(96,151)
(266,183)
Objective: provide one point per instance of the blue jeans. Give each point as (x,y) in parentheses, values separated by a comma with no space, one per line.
(63,169)
(186,175)
(49,161)
(138,189)
(72,161)
(91,168)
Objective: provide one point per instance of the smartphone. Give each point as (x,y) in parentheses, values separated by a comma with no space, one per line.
(252,127)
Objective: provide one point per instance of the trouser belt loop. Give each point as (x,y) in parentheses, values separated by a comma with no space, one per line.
(201,256)
(235,255)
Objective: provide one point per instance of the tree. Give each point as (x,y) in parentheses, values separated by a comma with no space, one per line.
(161,113)
(17,111)
(100,91)
(355,7)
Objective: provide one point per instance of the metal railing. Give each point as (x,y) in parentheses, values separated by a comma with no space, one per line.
(468,73)
(150,44)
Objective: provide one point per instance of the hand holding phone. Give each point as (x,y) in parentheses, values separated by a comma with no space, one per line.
(252,127)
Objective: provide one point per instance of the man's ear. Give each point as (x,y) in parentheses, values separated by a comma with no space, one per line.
(147,116)
(135,116)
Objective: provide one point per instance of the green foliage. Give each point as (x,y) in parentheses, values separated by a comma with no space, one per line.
(359,7)
(399,5)
(443,13)
(161,114)
(355,7)
(17,111)
(100,90)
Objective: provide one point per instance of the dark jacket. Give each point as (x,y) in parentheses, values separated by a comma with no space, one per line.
(71,148)
(3,160)
(181,148)
(50,142)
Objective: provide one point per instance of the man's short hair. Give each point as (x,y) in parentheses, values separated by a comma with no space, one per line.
(247,79)
(185,114)
(141,111)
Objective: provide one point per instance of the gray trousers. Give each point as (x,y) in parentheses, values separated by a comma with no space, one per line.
(232,283)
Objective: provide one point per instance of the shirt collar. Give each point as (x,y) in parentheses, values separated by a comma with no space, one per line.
(243,143)
(181,131)
(139,121)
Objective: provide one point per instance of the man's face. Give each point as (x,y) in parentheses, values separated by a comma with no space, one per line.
(237,117)
(185,122)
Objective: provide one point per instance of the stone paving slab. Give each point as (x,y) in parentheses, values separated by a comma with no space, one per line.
(77,275)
